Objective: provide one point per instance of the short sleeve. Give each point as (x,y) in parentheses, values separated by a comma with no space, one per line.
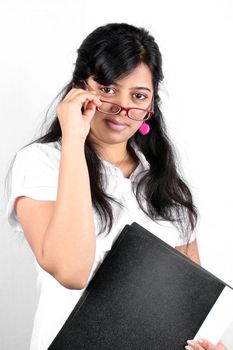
(35,175)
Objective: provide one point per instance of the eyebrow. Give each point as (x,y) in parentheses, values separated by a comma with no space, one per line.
(140,88)
(134,87)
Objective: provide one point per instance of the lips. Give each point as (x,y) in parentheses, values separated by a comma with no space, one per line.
(117,122)
(116,125)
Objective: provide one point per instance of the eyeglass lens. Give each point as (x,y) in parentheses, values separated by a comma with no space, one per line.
(113,109)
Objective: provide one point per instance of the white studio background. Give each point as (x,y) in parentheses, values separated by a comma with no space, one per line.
(38,49)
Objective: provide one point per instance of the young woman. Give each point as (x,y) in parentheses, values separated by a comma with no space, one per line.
(105,157)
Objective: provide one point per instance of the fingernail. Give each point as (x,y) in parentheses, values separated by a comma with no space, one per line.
(191,342)
(188,347)
(200,341)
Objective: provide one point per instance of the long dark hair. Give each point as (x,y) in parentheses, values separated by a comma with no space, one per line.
(110,52)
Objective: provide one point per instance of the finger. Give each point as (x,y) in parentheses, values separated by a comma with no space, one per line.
(89,111)
(88,98)
(209,346)
(83,99)
(221,346)
(201,344)
(76,92)
(194,345)
(76,88)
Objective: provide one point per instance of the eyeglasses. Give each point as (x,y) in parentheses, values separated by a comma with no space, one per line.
(111,108)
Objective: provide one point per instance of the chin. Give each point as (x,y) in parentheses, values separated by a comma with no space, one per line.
(109,138)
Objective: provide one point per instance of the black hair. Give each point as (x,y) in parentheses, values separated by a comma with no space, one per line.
(108,53)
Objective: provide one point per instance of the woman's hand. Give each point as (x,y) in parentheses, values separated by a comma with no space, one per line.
(75,123)
(203,344)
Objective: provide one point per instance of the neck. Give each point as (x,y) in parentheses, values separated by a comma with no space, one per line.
(113,153)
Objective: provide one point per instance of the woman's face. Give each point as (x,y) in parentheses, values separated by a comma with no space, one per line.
(134,90)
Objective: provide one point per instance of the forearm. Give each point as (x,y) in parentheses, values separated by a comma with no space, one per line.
(70,242)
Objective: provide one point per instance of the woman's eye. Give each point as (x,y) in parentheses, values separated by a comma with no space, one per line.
(107,90)
(140,96)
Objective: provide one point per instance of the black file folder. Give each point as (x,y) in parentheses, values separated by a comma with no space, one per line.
(144,296)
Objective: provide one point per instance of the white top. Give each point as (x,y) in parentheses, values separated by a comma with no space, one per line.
(35,175)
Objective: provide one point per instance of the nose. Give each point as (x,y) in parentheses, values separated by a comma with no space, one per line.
(124,101)
(123,113)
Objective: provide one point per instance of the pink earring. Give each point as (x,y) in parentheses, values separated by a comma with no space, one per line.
(144,129)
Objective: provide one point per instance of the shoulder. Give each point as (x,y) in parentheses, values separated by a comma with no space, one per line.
(37,150)
(37,154)
(36,164)
(34,174)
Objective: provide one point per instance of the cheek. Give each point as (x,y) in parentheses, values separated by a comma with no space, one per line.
(137,125)
(96,120)
(98,117)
